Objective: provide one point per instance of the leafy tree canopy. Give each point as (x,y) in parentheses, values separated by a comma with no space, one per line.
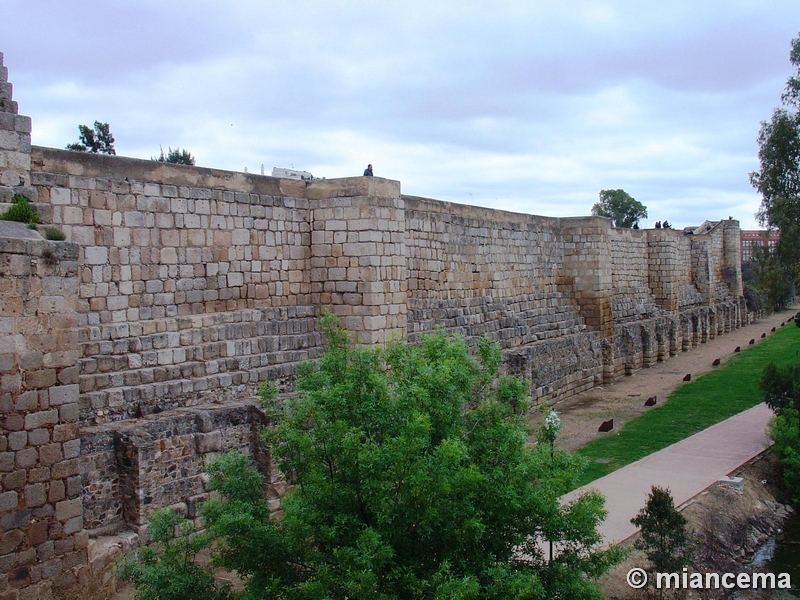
(781,386)
(97,140)
(178,156)
(411,477)
(784,430)
(620,207)
(778,178)
(774,277)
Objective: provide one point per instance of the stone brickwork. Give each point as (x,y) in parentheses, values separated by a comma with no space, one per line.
(160,460)
(358,255)
(479,272)
(130,354)
(43,543)
(15,144)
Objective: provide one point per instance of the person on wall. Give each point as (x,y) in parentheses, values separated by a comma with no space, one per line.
(368,171)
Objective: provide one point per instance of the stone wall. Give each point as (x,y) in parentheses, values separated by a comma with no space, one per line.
(131,469)
(193,288)
(43,541)
(130,354)
(477,272)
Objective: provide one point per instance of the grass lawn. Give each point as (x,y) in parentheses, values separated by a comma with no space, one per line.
(715,396)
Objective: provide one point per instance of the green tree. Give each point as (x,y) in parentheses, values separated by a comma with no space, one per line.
(167,569)
(778,178)
(774,278)
(663,536)
(620,207)
(179,156)
(784,430)
(412,478)
(97,140)
(781,386)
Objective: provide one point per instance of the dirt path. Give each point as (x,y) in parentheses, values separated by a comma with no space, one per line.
(581,415)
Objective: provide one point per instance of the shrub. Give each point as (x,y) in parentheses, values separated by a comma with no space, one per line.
(784,430)
(781,386)
(55,235)
(20,211)
(167,570)
(753,299)
(178,156)
(663,538)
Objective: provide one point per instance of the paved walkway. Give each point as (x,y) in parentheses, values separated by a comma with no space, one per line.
(686,468)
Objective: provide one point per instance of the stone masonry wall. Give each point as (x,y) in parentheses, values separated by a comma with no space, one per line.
(130,353)
(186,292)
(15,144)
(484,272)
(43,541)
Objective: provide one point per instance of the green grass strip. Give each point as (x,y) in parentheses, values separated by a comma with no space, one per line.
(693,407)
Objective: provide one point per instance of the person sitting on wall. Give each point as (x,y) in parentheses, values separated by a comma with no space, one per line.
(658,224)
(368,171)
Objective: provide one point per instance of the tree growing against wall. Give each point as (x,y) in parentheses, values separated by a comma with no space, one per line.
(97,140)
(178,156)
(412,478)
(166,570)
(620,207)
(778,178)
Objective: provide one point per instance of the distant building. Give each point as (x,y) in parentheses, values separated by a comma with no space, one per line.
(757,237)
(291,174)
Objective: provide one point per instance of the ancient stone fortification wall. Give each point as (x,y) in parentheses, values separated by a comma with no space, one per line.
(194,284)
(479,271)
(43,540)
(129,354)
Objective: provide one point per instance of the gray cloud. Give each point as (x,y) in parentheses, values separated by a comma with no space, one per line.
(532,106)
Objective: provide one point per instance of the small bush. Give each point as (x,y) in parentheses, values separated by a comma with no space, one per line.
(55,235)
(753,299)
(784,430)
(21,211)
(781,386)
(663,537)
(167,569)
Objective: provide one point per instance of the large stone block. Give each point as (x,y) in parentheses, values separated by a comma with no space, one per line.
(68,509)
(8,501)
(208,442)
(41,418)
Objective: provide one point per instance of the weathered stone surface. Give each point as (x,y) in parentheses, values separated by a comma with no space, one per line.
(127,354)
(8,501)
(67,509)
(208,442)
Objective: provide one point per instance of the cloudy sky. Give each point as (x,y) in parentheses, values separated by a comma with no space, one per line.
(532,106)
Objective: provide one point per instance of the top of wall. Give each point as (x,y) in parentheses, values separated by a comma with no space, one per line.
(475,212)
(82,164)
